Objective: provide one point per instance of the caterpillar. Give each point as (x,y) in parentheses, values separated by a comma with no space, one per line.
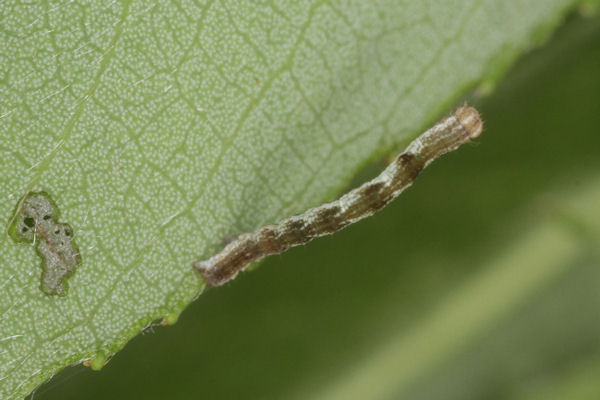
(445,136)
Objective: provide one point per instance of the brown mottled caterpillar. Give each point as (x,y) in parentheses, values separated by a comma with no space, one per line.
(445,136)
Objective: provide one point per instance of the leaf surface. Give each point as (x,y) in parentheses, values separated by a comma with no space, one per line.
(160,129)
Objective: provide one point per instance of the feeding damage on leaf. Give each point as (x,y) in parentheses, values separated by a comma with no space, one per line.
(36,221)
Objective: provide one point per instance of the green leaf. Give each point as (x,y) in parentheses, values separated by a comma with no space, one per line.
(161,129)
(308,318)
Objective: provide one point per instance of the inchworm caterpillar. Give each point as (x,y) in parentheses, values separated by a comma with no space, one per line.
(445,136)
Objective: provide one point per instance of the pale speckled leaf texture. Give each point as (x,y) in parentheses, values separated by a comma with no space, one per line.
(161,128)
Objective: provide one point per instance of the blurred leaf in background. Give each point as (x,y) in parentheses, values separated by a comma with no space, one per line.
(481,282)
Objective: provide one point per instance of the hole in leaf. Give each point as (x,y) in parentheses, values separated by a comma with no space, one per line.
(60,256)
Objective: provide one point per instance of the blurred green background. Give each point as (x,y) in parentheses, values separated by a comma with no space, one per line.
(482,281)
